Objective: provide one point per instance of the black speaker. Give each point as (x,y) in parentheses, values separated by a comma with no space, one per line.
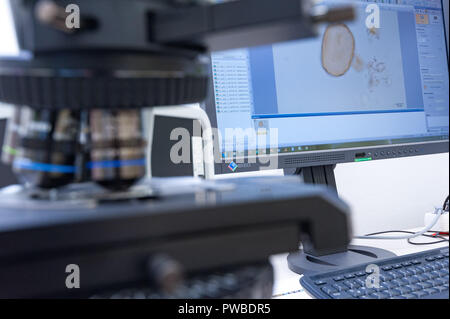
(161,163)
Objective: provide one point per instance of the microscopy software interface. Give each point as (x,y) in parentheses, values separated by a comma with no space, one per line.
(383,85)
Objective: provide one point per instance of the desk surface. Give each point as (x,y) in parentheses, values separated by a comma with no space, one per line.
(287,284)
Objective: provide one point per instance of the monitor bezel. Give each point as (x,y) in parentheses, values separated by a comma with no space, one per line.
(331,156)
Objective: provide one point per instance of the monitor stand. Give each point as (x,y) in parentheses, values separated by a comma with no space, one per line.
(310,263)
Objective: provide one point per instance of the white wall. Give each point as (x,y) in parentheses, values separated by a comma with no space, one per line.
(390,194)
(393,194)
(5,110)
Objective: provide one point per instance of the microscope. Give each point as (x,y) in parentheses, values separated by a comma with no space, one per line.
(77,144)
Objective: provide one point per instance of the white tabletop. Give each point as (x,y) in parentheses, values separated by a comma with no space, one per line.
(287,285)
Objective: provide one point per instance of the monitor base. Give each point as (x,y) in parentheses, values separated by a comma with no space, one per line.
(302,263)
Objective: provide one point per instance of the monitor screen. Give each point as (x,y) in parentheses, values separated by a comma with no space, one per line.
(379,80)
(8,39)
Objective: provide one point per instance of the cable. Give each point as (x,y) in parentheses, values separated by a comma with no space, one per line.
(438,212)
(442,238)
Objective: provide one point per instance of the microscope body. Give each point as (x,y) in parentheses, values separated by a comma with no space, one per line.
(78,144)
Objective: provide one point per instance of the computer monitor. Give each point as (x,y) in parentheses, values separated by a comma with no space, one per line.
(358,92)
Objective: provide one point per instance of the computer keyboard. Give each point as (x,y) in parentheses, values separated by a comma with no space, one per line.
(422,275)
(241,282)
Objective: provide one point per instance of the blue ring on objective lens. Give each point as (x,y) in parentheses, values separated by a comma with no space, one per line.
(43,167)
(116,163)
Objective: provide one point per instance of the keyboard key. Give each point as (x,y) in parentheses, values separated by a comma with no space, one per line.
(404,281)
(387,268)
(428,268)
(361,282)
(420,294)
(388,285)
(348,284)
(443,272)
(409,287)
(399,282)
(365,291)
(352,284)
(438,265)
(380,295)
(404,290)
(368,271)
(340,287)
(397,274)
(413,279)
(416,262)
(352,292)
(397,266)
(406,272)
(441,288)
(437,282)
(338,278)
(360,274)
(384,294)
(355,293)
(439,257)
(381,289)
(341,295)
(422,277)
(428,275)
(368,297)
(328,290)
(434,266)
(349,276)
(431,258)
(431,291)
(386,277)
(370,291)
(434,274)
(422,269)
(425,284)
(395,292)
(415,287)
(416,270)
(406,264)
(319,282)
